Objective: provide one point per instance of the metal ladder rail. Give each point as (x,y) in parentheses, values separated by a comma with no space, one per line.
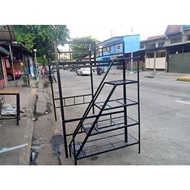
(96,120)
(92,102)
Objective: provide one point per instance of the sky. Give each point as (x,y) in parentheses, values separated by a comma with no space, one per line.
(101,19)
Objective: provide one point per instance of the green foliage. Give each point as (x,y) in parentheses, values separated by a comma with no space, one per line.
(40,37)
(79,46)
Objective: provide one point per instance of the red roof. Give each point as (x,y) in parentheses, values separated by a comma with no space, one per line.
(155,37)
(172,29)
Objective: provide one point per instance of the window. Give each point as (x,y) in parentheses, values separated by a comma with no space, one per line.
(175,50)
(161,54)
(186,49)
(175,40)
(118,46)
(142,46)
(160,44)
(149,46)
(188,37)
(1,70)
(150,55)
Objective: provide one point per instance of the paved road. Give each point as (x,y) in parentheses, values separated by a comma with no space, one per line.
(165,110)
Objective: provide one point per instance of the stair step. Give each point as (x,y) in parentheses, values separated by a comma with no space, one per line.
(77,147)
(121,82)
(87,127)
(105,144)
(108,125)
(117,103)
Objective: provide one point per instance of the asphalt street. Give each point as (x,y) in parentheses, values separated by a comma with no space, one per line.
(165,110)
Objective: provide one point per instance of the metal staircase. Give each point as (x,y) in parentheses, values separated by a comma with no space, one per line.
(108,123)
(107,130)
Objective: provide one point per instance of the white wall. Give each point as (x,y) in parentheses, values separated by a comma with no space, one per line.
(149,63)
(160,63)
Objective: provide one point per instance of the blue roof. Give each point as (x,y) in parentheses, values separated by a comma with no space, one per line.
(113,40)
(186,27)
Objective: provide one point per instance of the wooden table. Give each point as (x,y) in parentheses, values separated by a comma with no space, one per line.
(17,94)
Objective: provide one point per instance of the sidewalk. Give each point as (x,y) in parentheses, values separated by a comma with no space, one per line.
(37,128)
(12,135)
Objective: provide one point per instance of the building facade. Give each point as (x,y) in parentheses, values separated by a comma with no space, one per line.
(169,52)
(118,46)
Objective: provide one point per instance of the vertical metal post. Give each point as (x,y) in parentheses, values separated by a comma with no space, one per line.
(91,74)
(92,86)
(167,59)
(28,78)
(154,60)
(182,68)
(18,107)
(124,100)
(131,49)
(52,93)
(61,100)
(12,64)
(138,96)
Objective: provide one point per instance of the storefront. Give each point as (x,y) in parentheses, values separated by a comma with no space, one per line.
(3,75)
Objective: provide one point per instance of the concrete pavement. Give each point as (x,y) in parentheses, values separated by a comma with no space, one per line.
(12,135)
(37,127)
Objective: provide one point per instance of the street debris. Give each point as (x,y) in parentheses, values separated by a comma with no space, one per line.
(46,113)
(34,119)
(5,149)
(33,157)
(37,146)
(41,137)
(8,109)
(149,76)
(57,140)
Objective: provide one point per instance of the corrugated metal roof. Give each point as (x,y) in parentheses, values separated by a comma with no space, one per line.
(186,27)
(155,37)
(173,29)
(112,40)
(4,51)
(7,33)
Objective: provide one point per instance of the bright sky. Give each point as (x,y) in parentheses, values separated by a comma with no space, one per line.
(101,19)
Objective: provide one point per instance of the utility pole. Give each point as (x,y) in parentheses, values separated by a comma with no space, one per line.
(131,49)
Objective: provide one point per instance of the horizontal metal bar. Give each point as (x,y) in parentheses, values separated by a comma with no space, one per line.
(92,116)
(113,129)
(77,96)
(76,51)
(101,152)
(70,105)
(121,82)
(75,42)
(110,146)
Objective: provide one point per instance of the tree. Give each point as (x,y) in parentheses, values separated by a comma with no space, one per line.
(40,37)
(83,44)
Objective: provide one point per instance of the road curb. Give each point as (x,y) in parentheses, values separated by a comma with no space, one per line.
(184,79)
(24,156)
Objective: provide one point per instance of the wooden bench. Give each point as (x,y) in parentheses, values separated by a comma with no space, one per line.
(17,94)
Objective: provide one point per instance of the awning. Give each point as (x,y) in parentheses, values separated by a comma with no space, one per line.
(7,34)
(4,51)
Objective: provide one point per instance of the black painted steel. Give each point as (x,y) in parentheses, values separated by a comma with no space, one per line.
(110,125)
